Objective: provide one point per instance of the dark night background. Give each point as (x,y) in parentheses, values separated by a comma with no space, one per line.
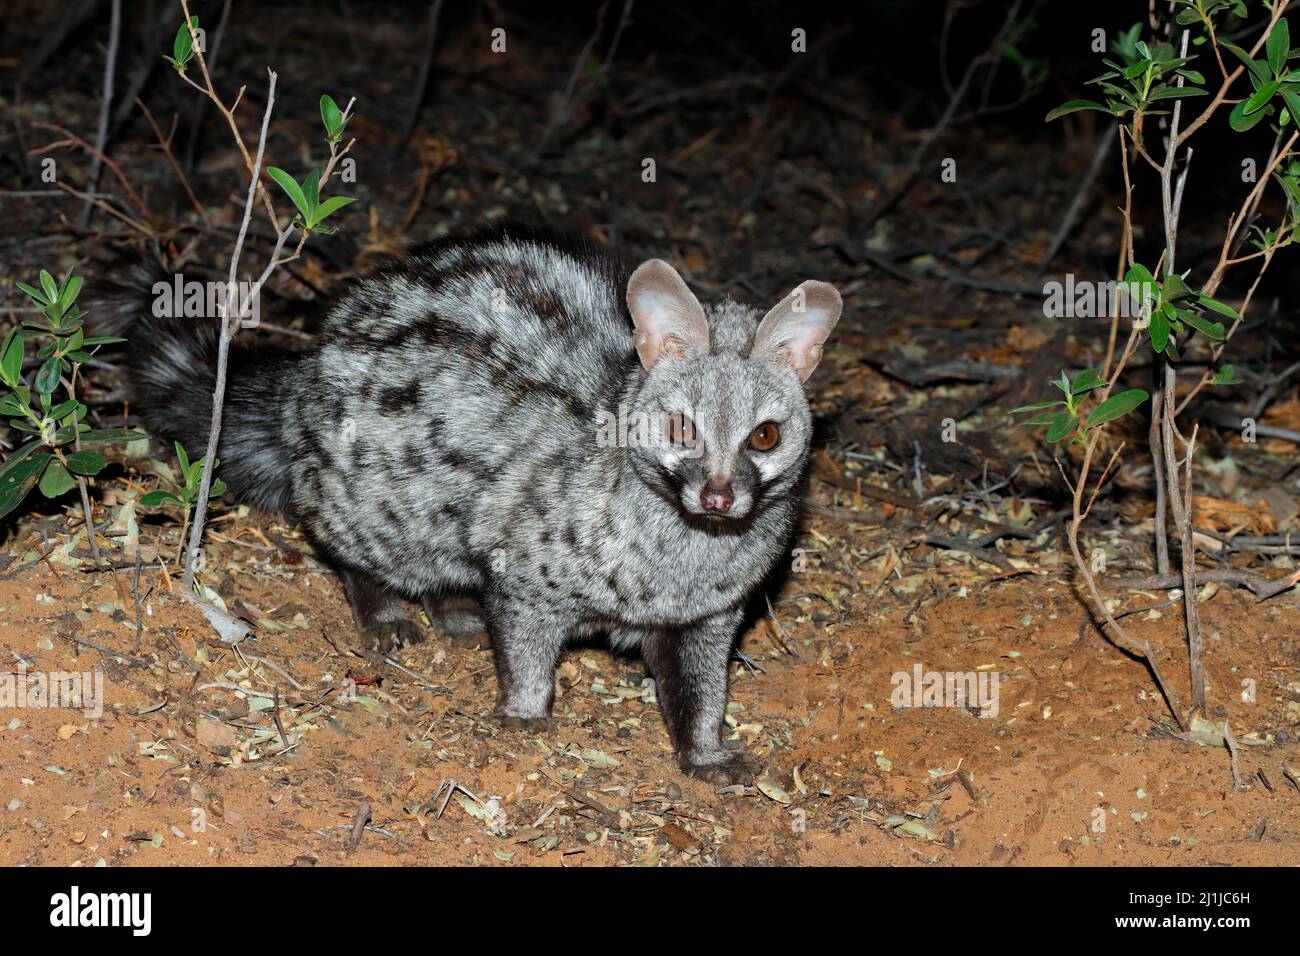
(771,164)
(771,167)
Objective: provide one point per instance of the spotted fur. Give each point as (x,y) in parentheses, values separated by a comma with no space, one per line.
(441,439)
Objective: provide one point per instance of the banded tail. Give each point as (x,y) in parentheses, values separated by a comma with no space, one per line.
(172,363)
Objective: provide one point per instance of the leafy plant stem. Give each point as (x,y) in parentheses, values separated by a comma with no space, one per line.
(1117,634)
(105,105)
(185,523)
(81,481)
(1180,510)
(1195,638)
(1177,139)
(228,114)
(229,324)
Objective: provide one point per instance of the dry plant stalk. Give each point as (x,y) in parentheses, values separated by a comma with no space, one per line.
(1171,451)
(227,312)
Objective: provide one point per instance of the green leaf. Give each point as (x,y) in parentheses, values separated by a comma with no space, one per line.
(102,340)
(56,480)
(69,293)
(1074,106)
(1217,306)
(11,357)
(34,294)
(1140,274)
(1086,381)
(63,409)
(1240,121)
(1062,425)
(1042,418)
(291,188)
(1257,67)
(1174,288)
(332,205)
(153,499)
(1290,94)
(1260,97)
(1212,329)
(1116,406)
(181,457)
(311,192)
(330,115)
(86,462)
(19,474)
(1038,406)
(1159,330)
(47,378)
(1278,45)
(1175,93)
(108,436)
(1226,375)
(21,454)
(183,45)
(50,286)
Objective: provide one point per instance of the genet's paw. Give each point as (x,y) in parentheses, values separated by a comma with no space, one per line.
(384,637)
(529,725)
(735,768)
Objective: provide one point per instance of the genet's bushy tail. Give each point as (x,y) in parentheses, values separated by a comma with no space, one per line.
(172,364)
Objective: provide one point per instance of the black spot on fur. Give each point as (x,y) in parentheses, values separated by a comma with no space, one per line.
(399,399)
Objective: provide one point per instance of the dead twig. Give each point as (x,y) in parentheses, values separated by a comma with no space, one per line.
(789,645)
(120,655)
(358,827)
(105,107)
(230,324)
(1080,195)
(165,144)
(1260,586)
(1238,785)
(421,90)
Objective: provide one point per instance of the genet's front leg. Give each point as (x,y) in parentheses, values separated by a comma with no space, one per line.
(526,644)
(690,671)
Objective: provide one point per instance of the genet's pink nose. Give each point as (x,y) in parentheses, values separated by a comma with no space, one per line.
(716,499)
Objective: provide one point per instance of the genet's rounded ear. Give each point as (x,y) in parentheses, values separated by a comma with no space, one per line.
(794,332)
(669,319)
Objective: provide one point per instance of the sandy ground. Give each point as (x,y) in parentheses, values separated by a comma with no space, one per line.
(1078,766)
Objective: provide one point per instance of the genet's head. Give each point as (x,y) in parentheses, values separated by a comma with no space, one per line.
(725,387)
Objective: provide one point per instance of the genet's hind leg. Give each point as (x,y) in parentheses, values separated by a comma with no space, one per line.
(380,615)
(457,620)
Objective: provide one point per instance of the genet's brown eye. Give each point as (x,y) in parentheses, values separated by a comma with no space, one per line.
(765,437)
(681,430)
